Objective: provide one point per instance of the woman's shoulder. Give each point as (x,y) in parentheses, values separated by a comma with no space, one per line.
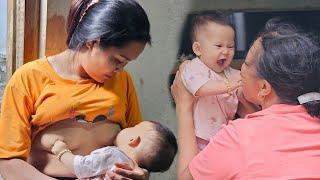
(122,79)
(32,72)
(124,73)
(37,66)
(123,76)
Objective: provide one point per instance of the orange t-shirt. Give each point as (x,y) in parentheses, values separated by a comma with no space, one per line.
(36,97)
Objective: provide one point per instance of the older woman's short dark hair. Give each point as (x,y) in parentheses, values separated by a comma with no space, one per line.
(290,62)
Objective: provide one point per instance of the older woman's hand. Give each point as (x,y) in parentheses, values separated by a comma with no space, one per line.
(124,171)
(182,97)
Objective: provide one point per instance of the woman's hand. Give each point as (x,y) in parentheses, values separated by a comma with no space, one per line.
(124,171)
(186,136)
(182,97)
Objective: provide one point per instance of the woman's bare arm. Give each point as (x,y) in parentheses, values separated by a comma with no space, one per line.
(19,169)
(186,136)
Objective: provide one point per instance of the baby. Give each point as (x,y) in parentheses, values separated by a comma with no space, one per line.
(149,145)
(209,76)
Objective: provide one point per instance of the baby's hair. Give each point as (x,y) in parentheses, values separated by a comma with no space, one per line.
(201,18)
(192,23)
(161,150)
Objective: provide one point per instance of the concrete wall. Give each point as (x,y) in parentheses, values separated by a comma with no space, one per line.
(256,5)
(3,45)
(3,76)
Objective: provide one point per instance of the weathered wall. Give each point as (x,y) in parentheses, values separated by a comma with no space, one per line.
(2,75)
(3,37)
(256,5)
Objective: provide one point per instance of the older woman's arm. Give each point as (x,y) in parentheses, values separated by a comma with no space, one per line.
(186,141)
(186,136)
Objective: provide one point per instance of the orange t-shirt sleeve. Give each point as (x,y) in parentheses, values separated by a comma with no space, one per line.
(221,159)
(133,113)
(15,128)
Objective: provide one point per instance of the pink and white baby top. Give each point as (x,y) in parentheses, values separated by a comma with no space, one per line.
(209,112)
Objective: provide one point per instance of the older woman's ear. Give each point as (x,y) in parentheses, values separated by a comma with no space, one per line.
(266,92)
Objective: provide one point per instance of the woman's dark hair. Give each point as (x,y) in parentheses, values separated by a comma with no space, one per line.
(290,62)
(113,22)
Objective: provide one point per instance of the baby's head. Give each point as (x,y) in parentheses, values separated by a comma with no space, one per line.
(152,145)
(213,39)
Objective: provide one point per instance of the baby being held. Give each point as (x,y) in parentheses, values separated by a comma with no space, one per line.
(209,76)
(149,145)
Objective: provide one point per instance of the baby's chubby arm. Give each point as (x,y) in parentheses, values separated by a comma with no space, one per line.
(197,80)
(215,87)
(63,154)
(47,140)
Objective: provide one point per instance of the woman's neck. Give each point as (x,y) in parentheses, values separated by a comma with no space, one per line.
(68,65)
(270,100)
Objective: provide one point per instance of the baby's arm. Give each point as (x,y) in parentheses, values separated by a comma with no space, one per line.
(197,79)
(64,154)
(47,140)
(98,162)
(215,87)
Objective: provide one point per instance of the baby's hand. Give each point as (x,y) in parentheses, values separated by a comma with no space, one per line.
(235,82)
(58,146)
(47,140)
(240,95)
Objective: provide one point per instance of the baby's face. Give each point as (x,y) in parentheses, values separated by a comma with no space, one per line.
(126,135)
(216,45)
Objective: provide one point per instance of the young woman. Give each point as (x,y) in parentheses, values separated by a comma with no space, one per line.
(85,86)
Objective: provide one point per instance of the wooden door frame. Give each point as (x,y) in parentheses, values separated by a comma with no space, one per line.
(22,33)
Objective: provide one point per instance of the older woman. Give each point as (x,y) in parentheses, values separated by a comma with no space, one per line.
(282,74)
